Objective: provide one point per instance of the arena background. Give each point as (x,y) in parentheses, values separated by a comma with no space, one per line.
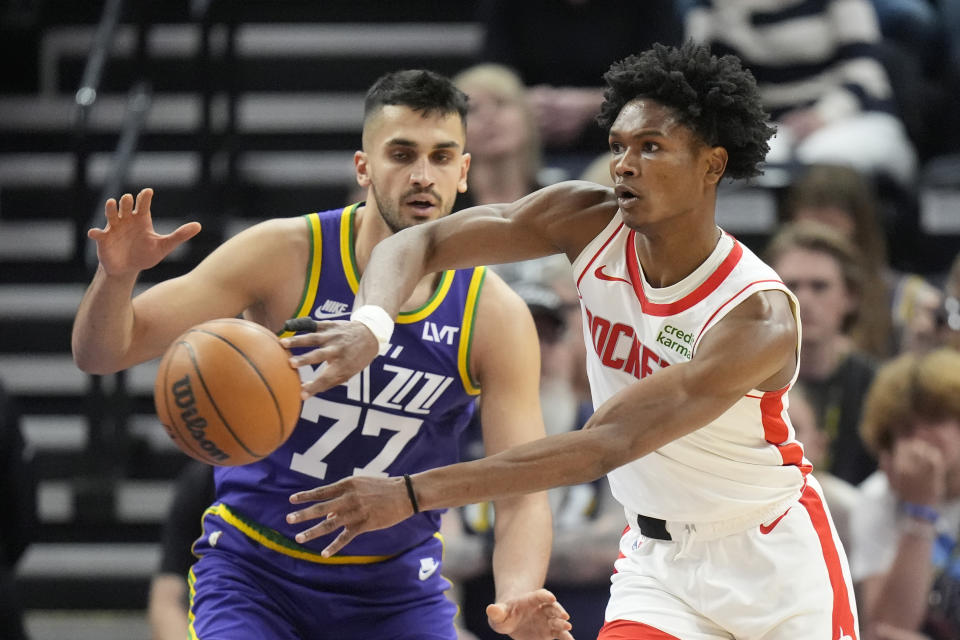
(233,112)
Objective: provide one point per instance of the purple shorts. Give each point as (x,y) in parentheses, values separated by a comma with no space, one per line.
(240,588)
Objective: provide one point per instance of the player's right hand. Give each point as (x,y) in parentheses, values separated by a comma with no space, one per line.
(129,244)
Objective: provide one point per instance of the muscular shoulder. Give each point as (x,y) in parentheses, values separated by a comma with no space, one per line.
(758,337)
(268,259)
(572,212)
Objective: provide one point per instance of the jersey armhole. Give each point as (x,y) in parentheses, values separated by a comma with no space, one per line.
(312,278)
(470,385)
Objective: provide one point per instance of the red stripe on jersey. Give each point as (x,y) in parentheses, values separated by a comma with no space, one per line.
(620,553)
(599,251)
(630,630)
(776,432)
(842,613)
(706,288)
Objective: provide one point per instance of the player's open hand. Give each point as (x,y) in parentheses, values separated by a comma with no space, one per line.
(533,616)
(344,348)
(356,504)
(129,244)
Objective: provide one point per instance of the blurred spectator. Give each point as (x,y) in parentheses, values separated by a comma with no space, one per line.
(947,316)
(819,71)
(502,138)
(168,603)
(598,170)
(906,556)
(841,496)
(843,198)
(574,43)
(18,504)
(587,521)
(826,273)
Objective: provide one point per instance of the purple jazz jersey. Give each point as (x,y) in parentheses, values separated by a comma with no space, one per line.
(402,414)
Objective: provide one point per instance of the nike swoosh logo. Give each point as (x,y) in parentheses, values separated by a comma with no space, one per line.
(603,276)
(764,529)
(320,315)
(427,570)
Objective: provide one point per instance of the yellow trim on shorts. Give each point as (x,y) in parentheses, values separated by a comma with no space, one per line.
(470,385)
(312,279)
(191,632)
(349,257)
(274,541)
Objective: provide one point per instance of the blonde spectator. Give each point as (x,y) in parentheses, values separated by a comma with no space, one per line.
(906,557)
(502,137)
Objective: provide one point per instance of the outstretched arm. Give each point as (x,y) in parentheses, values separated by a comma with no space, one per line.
(112,331)
(753,347)
(561,218)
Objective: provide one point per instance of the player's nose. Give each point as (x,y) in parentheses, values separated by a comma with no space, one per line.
(421,173)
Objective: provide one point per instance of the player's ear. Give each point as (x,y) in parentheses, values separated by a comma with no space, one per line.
(464,168)
(716,164)
(362,168)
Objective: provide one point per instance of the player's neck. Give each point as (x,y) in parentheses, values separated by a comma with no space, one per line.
(669,257)
(369,229)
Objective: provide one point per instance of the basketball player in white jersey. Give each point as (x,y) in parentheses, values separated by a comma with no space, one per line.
(693,345)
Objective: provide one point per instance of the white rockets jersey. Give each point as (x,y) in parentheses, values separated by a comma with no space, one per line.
(743,463)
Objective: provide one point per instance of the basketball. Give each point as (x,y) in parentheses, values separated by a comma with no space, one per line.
(225,392)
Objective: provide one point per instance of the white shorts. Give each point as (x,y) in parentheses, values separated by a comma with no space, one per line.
(784,579)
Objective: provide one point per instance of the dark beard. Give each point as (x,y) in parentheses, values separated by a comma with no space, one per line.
(388,213)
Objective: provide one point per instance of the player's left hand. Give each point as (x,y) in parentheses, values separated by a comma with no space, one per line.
(356,504)
(533,616)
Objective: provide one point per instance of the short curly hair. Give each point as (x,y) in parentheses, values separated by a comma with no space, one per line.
(715,97)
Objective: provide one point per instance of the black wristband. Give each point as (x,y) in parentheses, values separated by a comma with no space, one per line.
(410,493)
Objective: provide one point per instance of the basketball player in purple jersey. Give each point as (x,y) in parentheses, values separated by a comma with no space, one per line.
(459,333)
(692,346)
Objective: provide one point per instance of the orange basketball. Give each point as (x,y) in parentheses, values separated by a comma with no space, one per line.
(226,393)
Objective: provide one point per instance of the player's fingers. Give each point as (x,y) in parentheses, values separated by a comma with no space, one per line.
(312,512)
(180,235)
(338,543)
(496,613)
(544,596)
(564,634)
(110,209)
(313,339)
(556,610)
(315,531)
(316,494)
(559,627)
(125,206)
(328,377)
(96,234)
(143,201)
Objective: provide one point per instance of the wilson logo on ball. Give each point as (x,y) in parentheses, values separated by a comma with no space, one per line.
(183,396)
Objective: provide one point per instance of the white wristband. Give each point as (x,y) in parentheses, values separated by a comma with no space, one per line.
(376,319)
